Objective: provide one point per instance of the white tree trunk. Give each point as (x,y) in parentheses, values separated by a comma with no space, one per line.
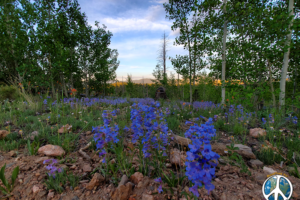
(285,60)
(224,54)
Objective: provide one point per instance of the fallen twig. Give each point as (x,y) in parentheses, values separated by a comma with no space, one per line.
(81,152)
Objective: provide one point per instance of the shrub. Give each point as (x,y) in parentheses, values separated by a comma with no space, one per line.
(8,92)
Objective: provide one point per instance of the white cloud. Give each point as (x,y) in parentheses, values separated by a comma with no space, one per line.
(159,1)
(156,13)
(175,33)
(134,24)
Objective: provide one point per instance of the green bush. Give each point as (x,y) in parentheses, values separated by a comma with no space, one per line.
(8,92)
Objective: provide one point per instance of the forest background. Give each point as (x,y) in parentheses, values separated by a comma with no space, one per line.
(48,46)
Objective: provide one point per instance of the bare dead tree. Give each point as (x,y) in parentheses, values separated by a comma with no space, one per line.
(162,53)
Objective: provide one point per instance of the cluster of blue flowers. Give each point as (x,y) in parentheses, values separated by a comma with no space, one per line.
(159,189)
(146,121)
(293,119)
(264,120)
(51,168)
(200,167)
(106,133)
(45,102)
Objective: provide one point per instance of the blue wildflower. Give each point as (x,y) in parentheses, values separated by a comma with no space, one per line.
(159,189)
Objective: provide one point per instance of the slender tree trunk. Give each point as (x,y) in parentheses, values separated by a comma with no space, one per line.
(64,85)
(71,81)
(224,54)
(286,59)
(190,66)
(164,55)
(194,74)
(51,75)
(271,84)
(86,86)
(104,88)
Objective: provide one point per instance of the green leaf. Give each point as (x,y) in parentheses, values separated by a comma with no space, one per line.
(3,190)
(29,147)
(2,176)
(14,175)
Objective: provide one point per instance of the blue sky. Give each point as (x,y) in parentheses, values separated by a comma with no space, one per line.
(137,27)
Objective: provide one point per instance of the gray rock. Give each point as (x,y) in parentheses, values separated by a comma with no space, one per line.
(256,164)
(75,198)
(260,178)
(268,170)
(124,180)
(245,151)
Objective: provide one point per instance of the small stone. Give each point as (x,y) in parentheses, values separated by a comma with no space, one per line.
(88,133)
(87,168)
(295,195)
(73,167)
(3,134)
(12,153)
(245,151)
(260,178)
(124,180)
(136,177)
(147,197)
(255,163)
(35,189)
(257,132)
(41,160)
(75,198)
(64,129)
(50,195)
(219,148)
(268,170)
(96,180)
(178,157)
(140,184)
(122,192)
(168,165)
(51,150)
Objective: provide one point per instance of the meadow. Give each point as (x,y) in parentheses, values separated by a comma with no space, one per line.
(125,146)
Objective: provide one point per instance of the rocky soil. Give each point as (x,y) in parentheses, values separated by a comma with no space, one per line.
(230,183)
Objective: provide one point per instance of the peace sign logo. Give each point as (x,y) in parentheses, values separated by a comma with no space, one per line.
(277,187)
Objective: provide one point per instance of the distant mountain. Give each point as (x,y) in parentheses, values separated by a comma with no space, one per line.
(145,81)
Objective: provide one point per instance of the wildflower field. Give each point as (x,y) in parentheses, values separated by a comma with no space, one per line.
(139,148)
